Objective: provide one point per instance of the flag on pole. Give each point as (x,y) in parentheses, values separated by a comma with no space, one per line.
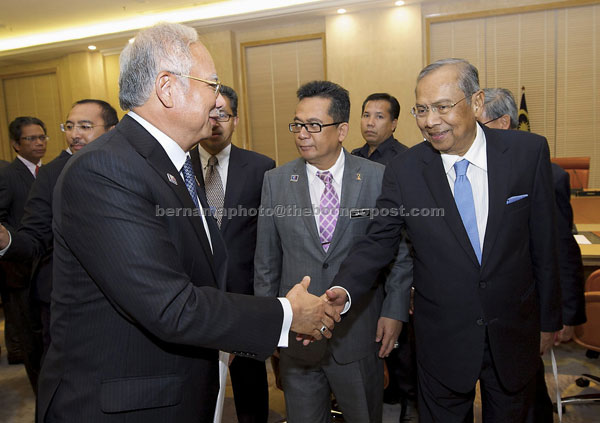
(523,116)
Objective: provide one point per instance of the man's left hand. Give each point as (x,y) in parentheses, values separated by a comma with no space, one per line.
(546,341)
(388,331)
(564,335)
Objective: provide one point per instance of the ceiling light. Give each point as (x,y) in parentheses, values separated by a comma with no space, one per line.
(341,11)
(92,47)
(399,3)
(205,12)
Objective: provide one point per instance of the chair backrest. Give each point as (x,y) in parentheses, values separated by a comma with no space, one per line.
(593,282)
(588,334)
(578,169)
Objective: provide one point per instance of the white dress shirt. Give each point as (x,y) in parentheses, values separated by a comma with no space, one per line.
(30,166)
(478,177)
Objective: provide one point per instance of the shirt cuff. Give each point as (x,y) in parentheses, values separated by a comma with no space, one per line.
(348,303)
(288,314)
(2,252)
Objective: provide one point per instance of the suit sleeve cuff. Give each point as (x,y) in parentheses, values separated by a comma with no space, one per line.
(288,314)
(348,303)
(2,252)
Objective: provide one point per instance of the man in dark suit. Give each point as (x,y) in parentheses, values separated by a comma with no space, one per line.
(378,123)
(138,311)
(22,321)
(477,205)
(290,244)
(87,120)
(238,175)
(3,163)
(500,112)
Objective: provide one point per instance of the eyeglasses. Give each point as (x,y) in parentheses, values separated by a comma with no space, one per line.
(215,84)
(420,111)
(86,127)
(312,127)
(491,120)
(36,137)
(222,116)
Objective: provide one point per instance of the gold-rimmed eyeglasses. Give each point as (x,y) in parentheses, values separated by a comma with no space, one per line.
(215,84)
(442,108)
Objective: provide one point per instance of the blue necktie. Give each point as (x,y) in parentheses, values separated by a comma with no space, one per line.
(190,180)
(463,196)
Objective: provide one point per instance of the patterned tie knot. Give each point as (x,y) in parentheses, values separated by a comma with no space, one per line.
(460,167)
(325,176)
(213,161)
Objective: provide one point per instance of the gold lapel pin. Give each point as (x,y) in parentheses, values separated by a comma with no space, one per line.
(358,177)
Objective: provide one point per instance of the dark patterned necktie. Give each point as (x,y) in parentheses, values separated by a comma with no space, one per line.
(329,208)
(190,181)
(213,186)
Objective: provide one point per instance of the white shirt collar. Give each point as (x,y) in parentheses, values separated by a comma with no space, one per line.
(222,156)
(173,150)
(68,150)
(337,170)
(30,166)
(476,155)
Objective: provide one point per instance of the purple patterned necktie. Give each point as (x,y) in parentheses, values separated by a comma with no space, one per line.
(329,207)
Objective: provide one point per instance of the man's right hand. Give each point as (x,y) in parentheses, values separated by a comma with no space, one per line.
(4,237)
(311,312)
(337,297)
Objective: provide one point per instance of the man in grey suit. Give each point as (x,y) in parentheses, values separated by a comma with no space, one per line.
(341,189)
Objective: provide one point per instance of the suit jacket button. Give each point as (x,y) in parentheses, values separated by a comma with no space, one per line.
(480,322)
(482,284)
(325,265)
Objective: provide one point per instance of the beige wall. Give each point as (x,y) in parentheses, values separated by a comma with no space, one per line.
(377,51)
(79,75)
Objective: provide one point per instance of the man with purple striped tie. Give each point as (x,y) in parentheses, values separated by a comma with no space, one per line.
(314,208)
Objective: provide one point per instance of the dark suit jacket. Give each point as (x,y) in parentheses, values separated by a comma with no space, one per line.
(138,311)
(3,163)
(33,240)
(384,153)
(512,295)
(570,265)
(15,182)
(244,184)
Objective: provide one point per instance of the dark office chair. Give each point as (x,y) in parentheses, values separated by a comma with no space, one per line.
(588,336)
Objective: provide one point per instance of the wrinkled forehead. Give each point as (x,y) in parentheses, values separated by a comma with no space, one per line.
(438,85)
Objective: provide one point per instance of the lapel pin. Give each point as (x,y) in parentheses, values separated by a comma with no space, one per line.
(196,178)
(171,179)
(358,177)
(294,178)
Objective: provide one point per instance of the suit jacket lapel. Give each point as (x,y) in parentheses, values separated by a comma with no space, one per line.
(24,172)
(351,186)
(158,159)
(498,186)
(300,191)
(437,182)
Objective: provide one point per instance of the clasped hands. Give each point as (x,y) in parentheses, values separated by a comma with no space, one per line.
(314,317)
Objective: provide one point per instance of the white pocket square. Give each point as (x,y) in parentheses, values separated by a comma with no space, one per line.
(515,198)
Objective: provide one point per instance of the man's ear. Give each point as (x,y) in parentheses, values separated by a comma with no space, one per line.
(15,145)
(477,101)
(342,131)
(504,121)
(164,86)
(394,124)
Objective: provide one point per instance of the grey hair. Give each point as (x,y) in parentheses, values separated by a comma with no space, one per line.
(499,102)
(468,76)
(164,46)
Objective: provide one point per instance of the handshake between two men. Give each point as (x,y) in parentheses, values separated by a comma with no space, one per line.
(314,317)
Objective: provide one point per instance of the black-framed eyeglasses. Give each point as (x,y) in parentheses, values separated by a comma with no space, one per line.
(490,121)
(420,110)
(36,137)
(312,127)
(85,127)
(222,116)
(214,84)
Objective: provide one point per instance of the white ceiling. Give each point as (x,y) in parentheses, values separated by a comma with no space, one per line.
(22,18)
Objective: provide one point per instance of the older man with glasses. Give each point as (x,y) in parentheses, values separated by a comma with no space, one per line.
(487,299)
(139,311)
